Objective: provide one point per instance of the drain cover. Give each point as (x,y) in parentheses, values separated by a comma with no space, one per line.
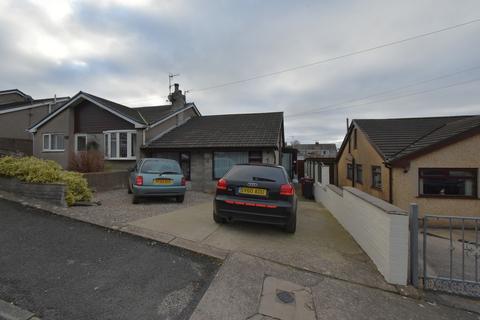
(285,296)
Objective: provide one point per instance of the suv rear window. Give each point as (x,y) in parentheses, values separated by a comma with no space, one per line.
(161,166)
(257,173)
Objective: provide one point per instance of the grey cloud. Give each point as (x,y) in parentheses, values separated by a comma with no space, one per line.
(211,42)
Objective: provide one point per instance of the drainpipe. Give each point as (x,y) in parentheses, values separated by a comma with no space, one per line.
(390,182)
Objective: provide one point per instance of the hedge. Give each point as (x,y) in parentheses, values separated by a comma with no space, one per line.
(31,169)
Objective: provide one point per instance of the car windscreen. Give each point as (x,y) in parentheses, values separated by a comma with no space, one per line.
(161,166)
(256,173)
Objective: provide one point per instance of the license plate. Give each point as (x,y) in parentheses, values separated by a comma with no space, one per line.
(253,191)
(162,181)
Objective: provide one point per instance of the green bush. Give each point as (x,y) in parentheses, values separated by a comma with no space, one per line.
(31,169)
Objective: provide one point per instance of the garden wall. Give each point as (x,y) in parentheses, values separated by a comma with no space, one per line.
(380,228)
(104,181)
(52,193)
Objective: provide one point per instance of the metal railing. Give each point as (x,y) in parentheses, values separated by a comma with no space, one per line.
(450,252)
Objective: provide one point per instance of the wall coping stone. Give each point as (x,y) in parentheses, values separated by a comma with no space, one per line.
(379,203)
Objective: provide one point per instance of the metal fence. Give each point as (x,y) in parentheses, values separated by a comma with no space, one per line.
(449,250)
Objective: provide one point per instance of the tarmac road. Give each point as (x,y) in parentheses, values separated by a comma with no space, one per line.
(59,268)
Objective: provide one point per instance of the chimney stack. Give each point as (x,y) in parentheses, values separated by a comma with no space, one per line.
(177,98)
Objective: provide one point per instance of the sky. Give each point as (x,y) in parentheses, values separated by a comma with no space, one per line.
(124,50)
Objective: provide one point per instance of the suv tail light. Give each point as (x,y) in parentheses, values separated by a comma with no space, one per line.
(287,190)
(183,182)
(222,184)
(139,181)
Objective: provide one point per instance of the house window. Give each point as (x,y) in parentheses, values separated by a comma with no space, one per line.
(349,171)
(223,161)
(376,177)
(443,182)
(120,145)
(358,173)
(80,142)
(53,142)
(255,157)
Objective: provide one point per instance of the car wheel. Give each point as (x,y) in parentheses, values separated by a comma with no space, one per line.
(129,188)
(291,225)
(218,219)
(180,199)
(135,200)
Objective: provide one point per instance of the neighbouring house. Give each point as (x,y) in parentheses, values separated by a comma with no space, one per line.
(433,162)
(317,154)
(115,130)
(208,146)
(205,146)
(18,111)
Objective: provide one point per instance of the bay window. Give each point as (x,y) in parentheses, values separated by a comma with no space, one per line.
(120,145)
(53,142)
(443,182)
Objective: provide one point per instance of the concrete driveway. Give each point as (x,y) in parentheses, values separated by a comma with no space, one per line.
(320,244)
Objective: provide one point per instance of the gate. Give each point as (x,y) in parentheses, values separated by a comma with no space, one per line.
(448,248)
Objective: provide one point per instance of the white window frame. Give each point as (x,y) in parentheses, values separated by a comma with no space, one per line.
(49,148)
(108,135)
(76,141)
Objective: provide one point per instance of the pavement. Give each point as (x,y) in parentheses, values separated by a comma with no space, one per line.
(248,287)
(59,268)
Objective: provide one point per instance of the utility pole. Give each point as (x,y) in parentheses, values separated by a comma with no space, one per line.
(170,78)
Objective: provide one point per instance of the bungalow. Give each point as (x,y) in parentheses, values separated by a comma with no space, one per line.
(433,162)
(208,146)
(205,146)
(18,111)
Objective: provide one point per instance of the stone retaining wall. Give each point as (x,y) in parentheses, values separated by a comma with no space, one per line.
(52,193)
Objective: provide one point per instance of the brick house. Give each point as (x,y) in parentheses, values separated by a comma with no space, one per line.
(433,162)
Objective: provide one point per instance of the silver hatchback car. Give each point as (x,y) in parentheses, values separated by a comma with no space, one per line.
(155,177)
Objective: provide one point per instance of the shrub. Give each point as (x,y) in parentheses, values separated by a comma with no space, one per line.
(87,161)
(31,169)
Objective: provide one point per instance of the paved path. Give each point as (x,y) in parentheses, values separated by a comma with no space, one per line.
(239,292)
(59,268)
(320,244)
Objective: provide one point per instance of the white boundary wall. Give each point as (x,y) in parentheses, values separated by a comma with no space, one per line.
(380,228)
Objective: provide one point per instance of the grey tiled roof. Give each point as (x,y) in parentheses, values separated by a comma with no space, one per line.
(144,115)
(398,138)
(231,130)
(123,110)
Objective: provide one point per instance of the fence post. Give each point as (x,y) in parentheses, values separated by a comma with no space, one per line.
(414,244)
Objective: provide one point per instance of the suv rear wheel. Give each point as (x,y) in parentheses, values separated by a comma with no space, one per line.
(180,199)
(135,200)
(291,225)
(218,219)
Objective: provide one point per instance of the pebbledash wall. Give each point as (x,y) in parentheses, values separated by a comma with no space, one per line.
(462,154)
(380,228)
